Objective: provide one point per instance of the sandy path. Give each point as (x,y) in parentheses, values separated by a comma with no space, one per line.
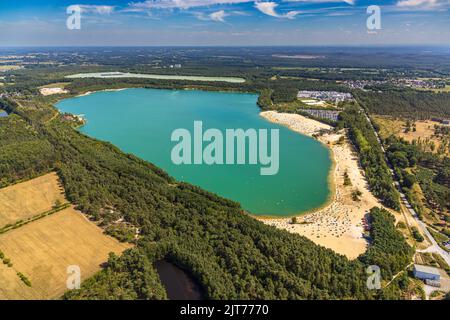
(337,226)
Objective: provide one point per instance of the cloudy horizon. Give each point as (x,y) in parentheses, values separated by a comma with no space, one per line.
(224,22)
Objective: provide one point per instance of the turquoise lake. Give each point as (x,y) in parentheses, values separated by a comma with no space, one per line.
(141,122)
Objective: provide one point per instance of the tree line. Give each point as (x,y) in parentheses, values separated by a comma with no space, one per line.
(370,154)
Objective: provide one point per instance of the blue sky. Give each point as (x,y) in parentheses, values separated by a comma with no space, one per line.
(224,22)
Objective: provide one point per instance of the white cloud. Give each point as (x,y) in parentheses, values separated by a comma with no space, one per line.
(414,3)
(268,8)
(424,4)
(186,4)
(182,4)
(218,16)
(98,9)
(323,1)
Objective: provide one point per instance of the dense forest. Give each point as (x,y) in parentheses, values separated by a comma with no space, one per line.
(388,249)
(390,252)
(406,103)
(338,61)
(129,277)
(23,153)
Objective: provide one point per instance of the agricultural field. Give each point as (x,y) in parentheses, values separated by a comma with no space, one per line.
(35,254)
(27,199)
(44,249)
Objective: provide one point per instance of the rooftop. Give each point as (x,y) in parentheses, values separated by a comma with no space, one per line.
(426,269)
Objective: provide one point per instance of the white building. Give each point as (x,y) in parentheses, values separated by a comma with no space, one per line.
(426,273)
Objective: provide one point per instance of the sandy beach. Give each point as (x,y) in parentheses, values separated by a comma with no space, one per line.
(87,93)
(338,225)
(52,91)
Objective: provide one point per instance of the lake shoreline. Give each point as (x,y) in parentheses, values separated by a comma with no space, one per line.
(296,194)
(87,93)
(338,224)
(310,128)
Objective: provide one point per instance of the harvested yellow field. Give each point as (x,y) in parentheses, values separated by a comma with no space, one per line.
(424,130)
(44,249)
(27,199)
(425,133)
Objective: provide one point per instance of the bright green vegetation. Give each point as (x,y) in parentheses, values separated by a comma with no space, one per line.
(388,248)
(145,127)
(409,104)
(371,156)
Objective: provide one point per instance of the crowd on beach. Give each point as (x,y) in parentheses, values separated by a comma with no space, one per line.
(338,225)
